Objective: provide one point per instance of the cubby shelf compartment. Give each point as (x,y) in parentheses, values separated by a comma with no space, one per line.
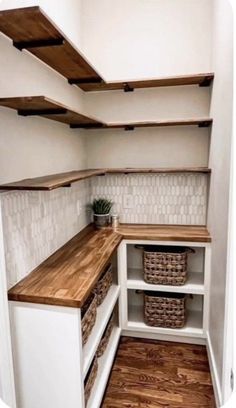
(53,181)
(104,312)
(194,284)
(104,369)
(31,29)
(50,109)
(193,327)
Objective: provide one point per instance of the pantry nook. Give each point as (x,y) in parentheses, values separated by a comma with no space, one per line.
(157,151)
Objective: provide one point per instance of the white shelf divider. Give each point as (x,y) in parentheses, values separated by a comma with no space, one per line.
(193,327)
(104,312)
(104,367)
(194,284)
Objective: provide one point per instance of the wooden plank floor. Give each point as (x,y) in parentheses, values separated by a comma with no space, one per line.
(154,374)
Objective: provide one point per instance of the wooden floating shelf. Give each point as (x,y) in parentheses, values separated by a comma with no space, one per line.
(49,109)
(203,80)
(51,182)
(31,29)
(200,122)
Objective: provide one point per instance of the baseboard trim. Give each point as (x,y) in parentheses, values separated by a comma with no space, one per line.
(214,373)
(164,337)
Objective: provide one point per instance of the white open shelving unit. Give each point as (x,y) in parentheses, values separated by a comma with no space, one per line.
(193,327)
(194,285)
(130,273)
(104,369)
(104,312)
(68,360)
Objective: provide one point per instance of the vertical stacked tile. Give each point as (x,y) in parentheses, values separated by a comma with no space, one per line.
(156,199)
(36,224)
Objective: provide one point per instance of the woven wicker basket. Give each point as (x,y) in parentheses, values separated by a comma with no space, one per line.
(163,309)
(89,314)
(90,379)
(105,338)
(104,285)
(165,265)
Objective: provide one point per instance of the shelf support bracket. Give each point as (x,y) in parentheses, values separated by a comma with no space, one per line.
(128,88)
(206,82)
(20,45)
(128,128)
(204,124)
(41,112)
(81,81)
(86,125)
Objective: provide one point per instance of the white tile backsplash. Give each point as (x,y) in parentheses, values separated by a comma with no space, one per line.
(36,224)
(155,198)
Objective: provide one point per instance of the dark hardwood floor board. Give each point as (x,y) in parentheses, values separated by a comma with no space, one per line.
(157,374)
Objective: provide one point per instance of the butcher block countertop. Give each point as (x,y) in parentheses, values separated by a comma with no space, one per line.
(68,276)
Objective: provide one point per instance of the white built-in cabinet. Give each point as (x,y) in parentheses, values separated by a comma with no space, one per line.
(50,362)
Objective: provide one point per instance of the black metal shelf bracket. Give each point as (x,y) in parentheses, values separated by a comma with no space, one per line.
(81,81)
(41,112)
(86,125)
(20,45)
(128,88)
(206,82)
(128,128)
(204,124)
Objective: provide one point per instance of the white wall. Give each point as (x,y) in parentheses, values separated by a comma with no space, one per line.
(160,147)
(156,147)
(31,147)
(136,39)
(220,150)
(128,39)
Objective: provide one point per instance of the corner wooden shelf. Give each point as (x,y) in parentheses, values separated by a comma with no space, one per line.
(31,29)
(203,80)
(200,122)
(50,109)
(51,182)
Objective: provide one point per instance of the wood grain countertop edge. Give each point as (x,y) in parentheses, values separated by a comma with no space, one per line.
(124,231)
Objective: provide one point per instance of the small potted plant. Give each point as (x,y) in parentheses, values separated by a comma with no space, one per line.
(101,208)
